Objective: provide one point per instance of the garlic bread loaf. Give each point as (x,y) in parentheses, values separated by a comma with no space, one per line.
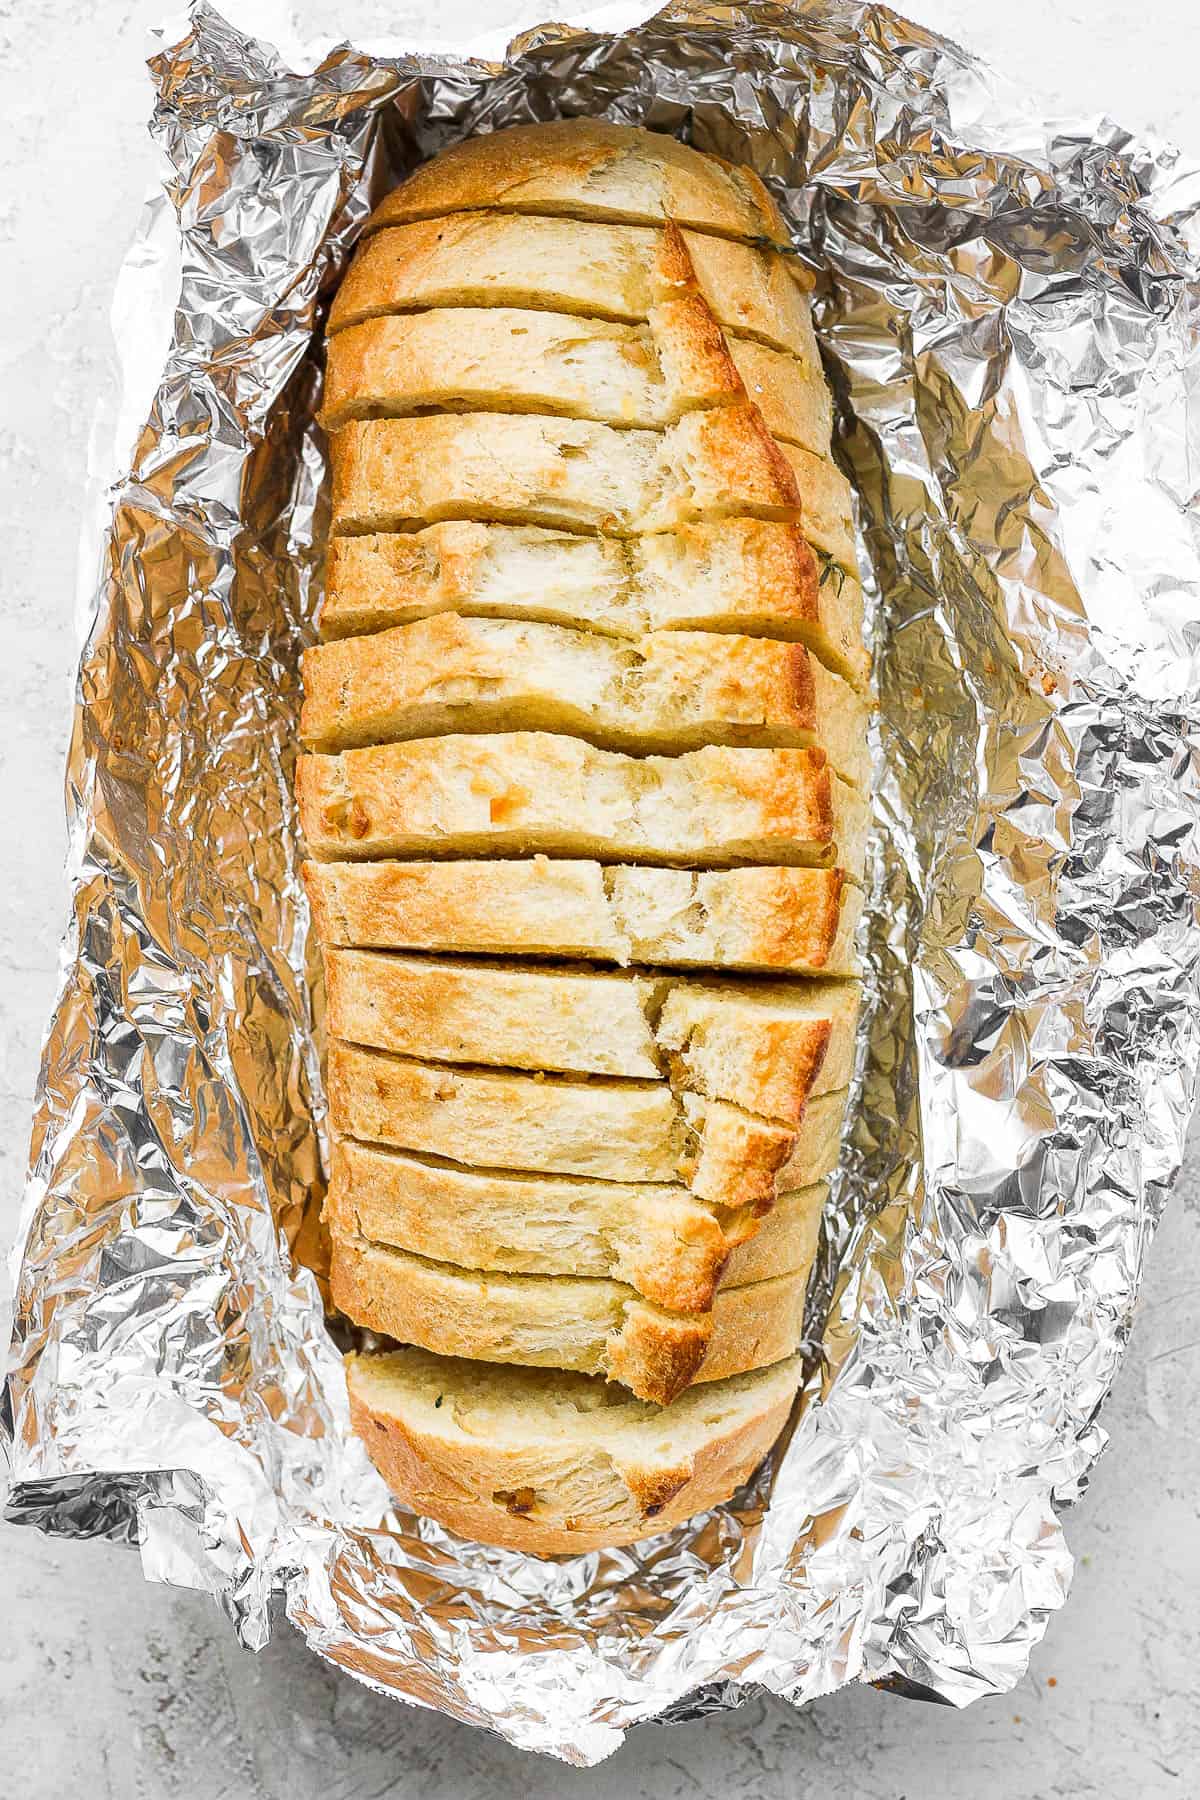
(584,786)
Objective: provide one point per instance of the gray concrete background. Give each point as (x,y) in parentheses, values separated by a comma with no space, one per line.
(111,1687)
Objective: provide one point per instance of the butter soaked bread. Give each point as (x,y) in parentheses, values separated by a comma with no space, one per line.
(599,270)
(523,793)
(514,359)
(587,169)
(765,1047)
(553,1463)
(625,1131)
(756,577)
(538,469)
(657,1238)
(666,692)
(591,1326)
(802,921)
(591,690)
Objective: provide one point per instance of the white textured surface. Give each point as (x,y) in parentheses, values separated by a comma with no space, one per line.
(110,1687)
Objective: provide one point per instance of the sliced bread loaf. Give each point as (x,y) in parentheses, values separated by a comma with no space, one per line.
(558,1464)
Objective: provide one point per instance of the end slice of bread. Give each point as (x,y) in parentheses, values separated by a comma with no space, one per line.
(593,1327)
(556,1464)
(587,169)
(802,921)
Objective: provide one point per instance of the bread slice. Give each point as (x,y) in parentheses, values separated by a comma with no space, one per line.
(766,1047)
(568,266)
(593,1327)
(828,506)
(655,1237)
(535,469)
(668,691)
(587,169)
(527,792)
(751,576)
(519,360)
(794,400)
(558,1125)
(556,1464)
(802,921)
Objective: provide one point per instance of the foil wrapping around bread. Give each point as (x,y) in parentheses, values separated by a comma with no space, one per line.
(1007,312)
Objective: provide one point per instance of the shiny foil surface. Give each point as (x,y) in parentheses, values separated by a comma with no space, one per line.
(1010,315)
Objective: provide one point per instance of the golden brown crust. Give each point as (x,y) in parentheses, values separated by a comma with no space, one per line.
(589,169)
(566,265)
(531,792)
(799,920)
(592,1327)
(795,403)
(559,1465)
(667,691)
(828,505)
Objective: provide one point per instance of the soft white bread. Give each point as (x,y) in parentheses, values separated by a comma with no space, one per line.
(587,169)
(536,469)
(522,793)
(555,1464)
(802,921)
(752,576)
(564,265)
(655,1237)
(624,1131)
(593,1327)
(668,691)
(517,360)
(765,1047)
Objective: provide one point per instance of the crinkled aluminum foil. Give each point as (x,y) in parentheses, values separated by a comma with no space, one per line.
(1010,315)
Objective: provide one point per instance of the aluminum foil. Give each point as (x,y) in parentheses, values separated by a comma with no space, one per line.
(1009,313)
